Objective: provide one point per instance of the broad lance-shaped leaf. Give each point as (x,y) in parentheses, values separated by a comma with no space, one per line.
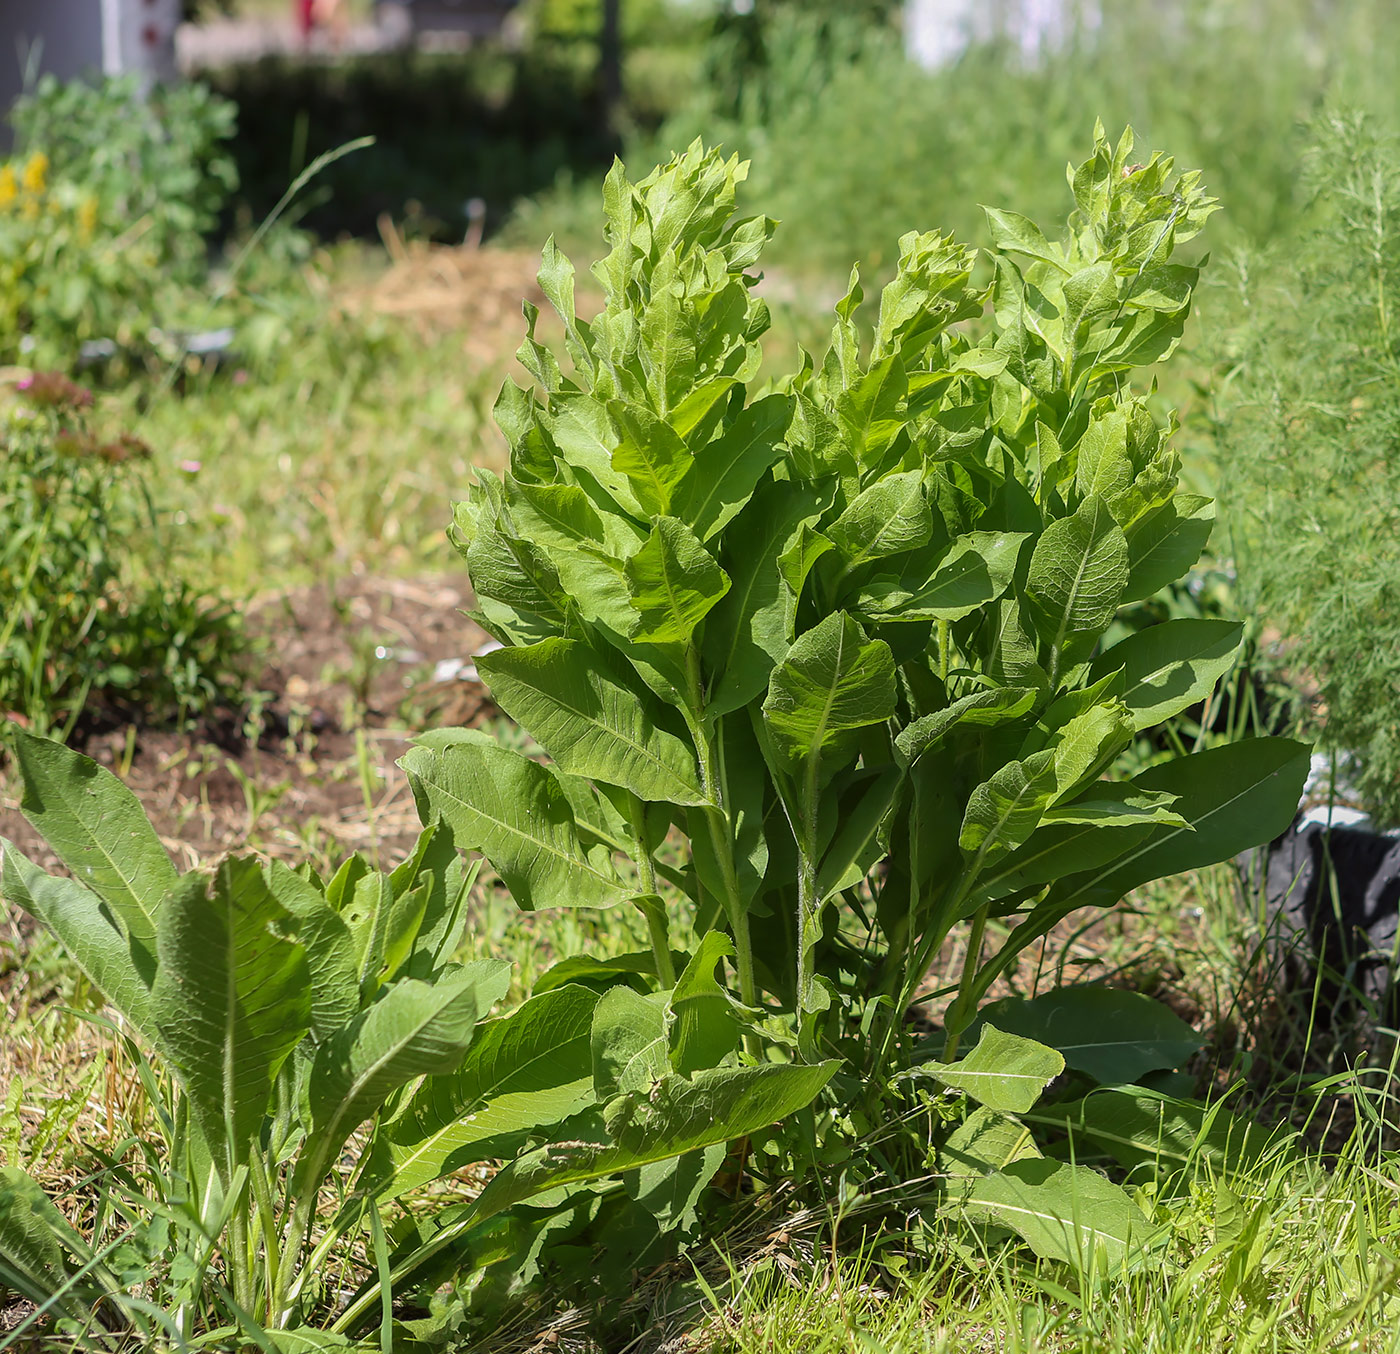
(526,1070)
(976,569)
(40,1252)
(1063,1212)
(627,1042)
(889,517)
(84,927)
(415,1029)
(1078,572)
(982,709)
(1112,1035)
(833,683)
(232,997)
(1170,666)
(673,582)
(650,454)
(514,812)
(724,472)
(582,707)
(676,1117)
(1164,546)
(1005,1072)
(99,830)
(1003,811)
(1231,798)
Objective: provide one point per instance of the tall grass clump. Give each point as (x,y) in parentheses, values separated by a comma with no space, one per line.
(1310,463)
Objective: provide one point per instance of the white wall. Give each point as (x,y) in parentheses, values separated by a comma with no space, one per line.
(79,37)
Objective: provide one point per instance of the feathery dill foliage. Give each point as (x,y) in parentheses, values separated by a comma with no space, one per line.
(1311,455)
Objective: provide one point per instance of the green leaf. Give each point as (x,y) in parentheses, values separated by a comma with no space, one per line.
(232,998)
(1004,810)
(669,1190)
(679,1116)
(582,706)
(1170,666)
(977,569)
(982,709)
(832,683)
(513,811)
(985,1142)
(673,582)
(1111,1035)
(650,454)
(1162,548)
(628,1042)
(98,829)
(1078,572)
(36,1241)
(523,1072)
(1063,1212)
(1013,233)
(330,950)
(85,928)
(703,1030)
(724,473)
(1137,1127)
(415,1029)
(889,517)
(1231,798)
(1005,1072)
(869,412)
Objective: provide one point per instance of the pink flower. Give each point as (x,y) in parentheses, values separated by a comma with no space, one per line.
(191,467)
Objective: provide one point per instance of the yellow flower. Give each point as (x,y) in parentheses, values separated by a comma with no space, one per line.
(87,217)
(36,172)
(9,186)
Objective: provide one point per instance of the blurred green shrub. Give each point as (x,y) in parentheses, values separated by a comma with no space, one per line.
(104,211)
(85,630)
(1310,451)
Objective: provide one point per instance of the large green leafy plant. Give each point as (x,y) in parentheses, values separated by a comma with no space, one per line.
(273,1017)
(816,660)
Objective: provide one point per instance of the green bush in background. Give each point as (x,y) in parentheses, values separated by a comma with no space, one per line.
(1310,461)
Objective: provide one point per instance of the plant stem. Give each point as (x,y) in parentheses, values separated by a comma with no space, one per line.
(943,639)
(956,1021)
(808,916)
(651,906)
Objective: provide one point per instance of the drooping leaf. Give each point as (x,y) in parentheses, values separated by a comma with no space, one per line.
(889,517)
(41,1255)
(977,569)
(1005,1072)
(1170,666)
(415,1029)
(832,683)
(98,829)
(512,810)
(982,709)
(85,928)
(583,707)
(522,1072)
(1078,572)
(1063,1212)
(1110,1034)
(1004,810)
(330,950)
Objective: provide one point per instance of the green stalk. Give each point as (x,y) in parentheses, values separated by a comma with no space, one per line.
(262,1195)
(956,1017)
(650,905)
(943,639)
(808,918)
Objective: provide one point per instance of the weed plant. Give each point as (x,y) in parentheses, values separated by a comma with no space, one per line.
(96,623)
(104,212)
(1309,466)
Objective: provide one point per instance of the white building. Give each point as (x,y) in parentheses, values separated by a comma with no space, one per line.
(79,37)
(937,32)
